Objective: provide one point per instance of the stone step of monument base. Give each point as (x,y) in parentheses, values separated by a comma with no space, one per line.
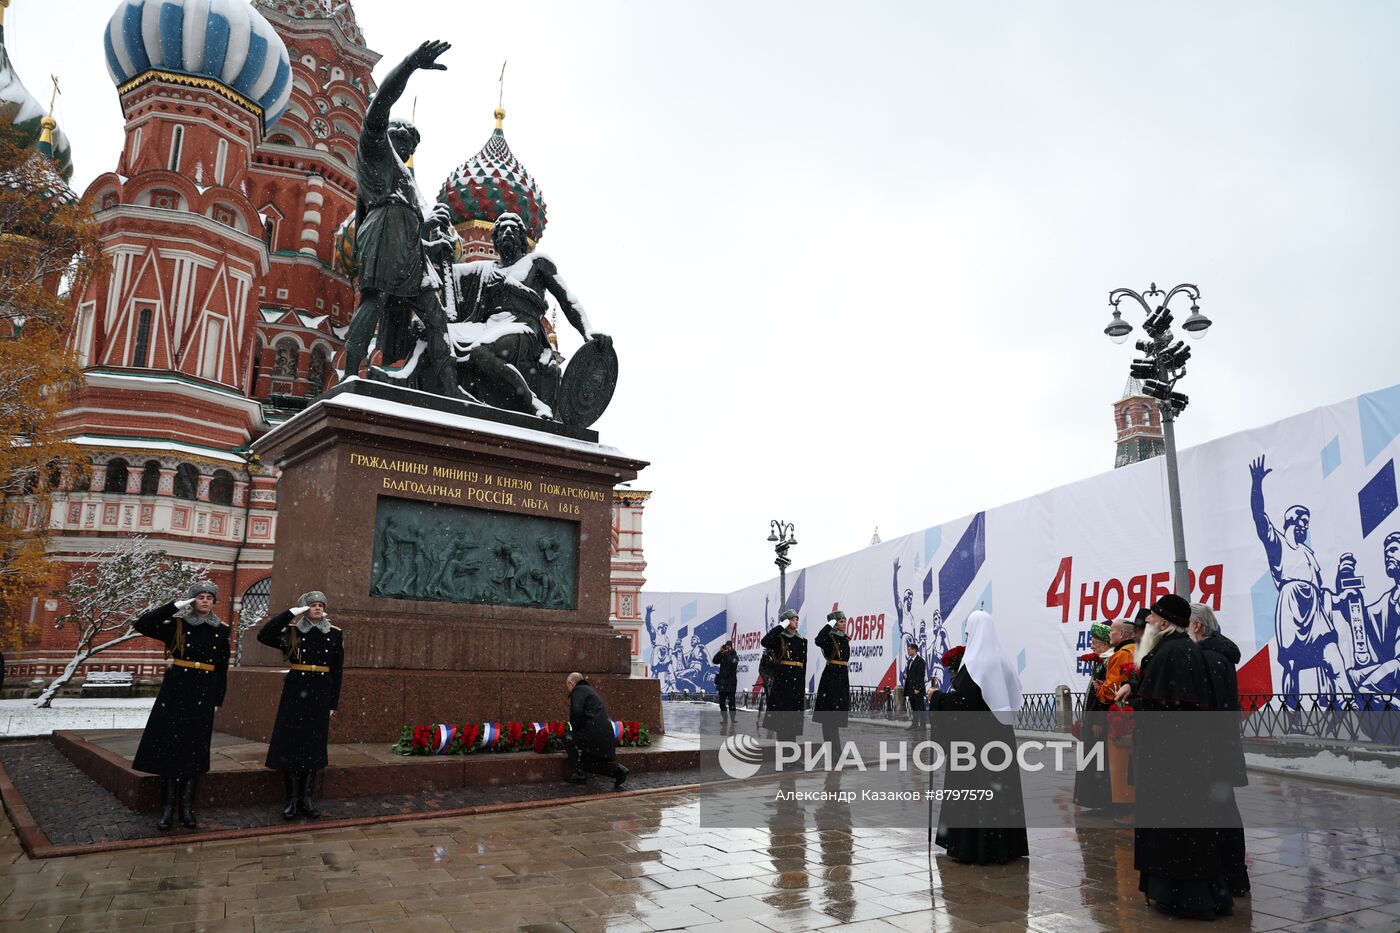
(237,775)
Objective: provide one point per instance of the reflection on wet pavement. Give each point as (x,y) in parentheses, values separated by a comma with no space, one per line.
(644,863)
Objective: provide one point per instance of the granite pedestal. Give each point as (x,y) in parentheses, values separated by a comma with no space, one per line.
(369,451)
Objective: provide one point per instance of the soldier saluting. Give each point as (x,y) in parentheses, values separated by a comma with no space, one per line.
(787,694)
(175,743)
(833,701)
(315,652)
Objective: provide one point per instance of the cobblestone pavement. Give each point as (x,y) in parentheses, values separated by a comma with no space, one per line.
(74,810)
(645,863)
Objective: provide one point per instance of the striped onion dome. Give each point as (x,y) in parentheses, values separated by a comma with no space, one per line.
(225,41)
(492,182)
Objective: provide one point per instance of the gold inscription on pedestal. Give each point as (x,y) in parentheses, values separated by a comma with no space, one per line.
(466,485)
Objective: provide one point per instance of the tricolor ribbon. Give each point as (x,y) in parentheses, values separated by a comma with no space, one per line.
(617,731)
(490,734)
(442,736)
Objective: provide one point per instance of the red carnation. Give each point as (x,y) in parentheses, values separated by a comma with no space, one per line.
(1120,722)
(541,741)
(953,656)
(514,731)
(1089,658)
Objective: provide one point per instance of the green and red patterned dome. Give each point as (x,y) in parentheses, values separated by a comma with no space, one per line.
(492,182)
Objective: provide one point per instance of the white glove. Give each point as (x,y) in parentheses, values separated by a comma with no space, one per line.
(182,604)
(298,610)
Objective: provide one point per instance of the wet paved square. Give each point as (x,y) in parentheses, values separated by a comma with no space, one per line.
(644,863)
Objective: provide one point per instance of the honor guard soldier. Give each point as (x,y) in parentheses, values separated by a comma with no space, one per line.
(175,743)
(787,692)
(833,703)
(315,652)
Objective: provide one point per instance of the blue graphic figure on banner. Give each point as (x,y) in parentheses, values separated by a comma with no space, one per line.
(904,617)
(685,665)
(929,636)
(1375,628)
(660,661)
(1304,633)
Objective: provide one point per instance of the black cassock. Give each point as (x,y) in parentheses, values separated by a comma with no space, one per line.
(1180,867)
(1222,655)
(787,690)
(310,691)
(833,701)
(175,743)
(1091,784)
(983,832)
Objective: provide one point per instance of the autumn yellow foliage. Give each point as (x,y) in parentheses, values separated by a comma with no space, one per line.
(48,251)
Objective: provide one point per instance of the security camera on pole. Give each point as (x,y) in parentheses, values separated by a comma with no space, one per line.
(1162,366)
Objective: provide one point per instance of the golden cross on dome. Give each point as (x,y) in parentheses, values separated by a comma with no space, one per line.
(500,112)
(53,98)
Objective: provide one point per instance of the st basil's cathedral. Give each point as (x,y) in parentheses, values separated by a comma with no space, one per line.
(228,226)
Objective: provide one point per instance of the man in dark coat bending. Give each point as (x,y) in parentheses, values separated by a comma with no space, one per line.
(591,745)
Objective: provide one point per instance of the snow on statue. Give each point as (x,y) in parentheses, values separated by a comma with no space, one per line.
(507,359)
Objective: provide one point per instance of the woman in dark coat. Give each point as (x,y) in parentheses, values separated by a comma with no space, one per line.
(986,698)
(833,702)
(787,690)
(1091,786)
(315,651)
(175,743)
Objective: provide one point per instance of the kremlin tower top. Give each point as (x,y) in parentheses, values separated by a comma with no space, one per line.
(490,183)
(31,126)
(222,45)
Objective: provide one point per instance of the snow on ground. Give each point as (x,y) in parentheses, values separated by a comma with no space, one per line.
(20,718)
(1329,765)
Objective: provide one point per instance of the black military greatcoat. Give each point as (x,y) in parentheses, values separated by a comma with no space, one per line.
(833,701)
(592,726)
(175,743)
(310,691)
(788,690)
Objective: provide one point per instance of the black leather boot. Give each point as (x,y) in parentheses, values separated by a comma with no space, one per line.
(289,784)
(304,803)
(188,818)
(169,791)
(619,775)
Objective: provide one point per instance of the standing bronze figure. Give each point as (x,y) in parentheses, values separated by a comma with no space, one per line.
(400,242)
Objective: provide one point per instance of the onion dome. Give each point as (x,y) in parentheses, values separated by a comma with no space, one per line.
(225,44)
(343,250)
(339,10)
(492,182)
(343,258)
(29,126)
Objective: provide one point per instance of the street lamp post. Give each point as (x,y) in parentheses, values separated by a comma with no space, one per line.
(1162,366)
(782,536)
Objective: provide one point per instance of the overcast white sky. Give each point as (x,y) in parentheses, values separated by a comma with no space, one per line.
(856,259)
